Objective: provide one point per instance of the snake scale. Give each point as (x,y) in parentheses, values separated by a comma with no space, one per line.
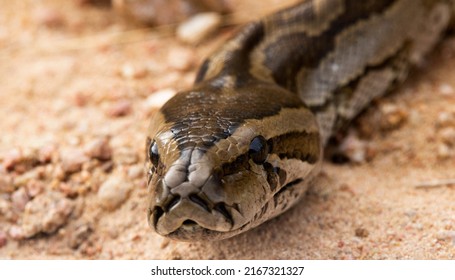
(243,145)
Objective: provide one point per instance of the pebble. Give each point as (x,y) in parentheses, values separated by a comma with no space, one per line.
(181,59)
(157,99)
(114,192)
(120,108)
(16,232)
(393,116)
(6,184)
(354,148)
(49,17)
(5,208)
(125,155)
(128,71)
(101,3)
(136,171)
(34,174)
(79,234)
(445,119)
(35,187)
(3,239)
(444,151)
(446,235)
(448,135)
(72,160)
(361,232)
(198,27)
(446,89)
(47,153)
(20,160)
(99,149)
(46,213)
(19,199)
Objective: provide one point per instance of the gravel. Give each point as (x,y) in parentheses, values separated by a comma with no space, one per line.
(114,192)
(45,214)
(198,27)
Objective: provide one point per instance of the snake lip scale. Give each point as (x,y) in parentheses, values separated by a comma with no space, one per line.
(244,144)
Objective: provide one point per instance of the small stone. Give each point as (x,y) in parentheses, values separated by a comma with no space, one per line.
(130,72)
(158,98)
(46,153)
(446,89)
(99,3)
(19,199)
(444,151)
(114,192)
(125,155)
(198,27)
(448,135)
(99,149)
(16,232)
(20,160)
(72,160)
(136,171)
(3,239)
(361,232)
(80,99)
(354,148)
(393,116)
(120,108)
(446,119)
(58,173)
(34,187)
(5,208)
(6,184)
(446,235)
(46,213)
(180,59)
(79,234)
(49,17)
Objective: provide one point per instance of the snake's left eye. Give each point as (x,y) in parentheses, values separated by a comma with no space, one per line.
(258,149)
(153,153)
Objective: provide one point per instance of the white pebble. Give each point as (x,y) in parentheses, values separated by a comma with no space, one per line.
(446,89)
(46,213)
(114,192)
(72,160)
(99,149)
(19,199)
(136,171)
(448,135)
(444,151)
(158,98)
(195,29)
(128,71)
(180,59)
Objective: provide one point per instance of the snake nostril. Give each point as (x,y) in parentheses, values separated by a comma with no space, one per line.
(199,201)
(173,202)
(220,207)
(189,223)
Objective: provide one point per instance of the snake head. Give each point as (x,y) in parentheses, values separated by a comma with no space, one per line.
(222,161)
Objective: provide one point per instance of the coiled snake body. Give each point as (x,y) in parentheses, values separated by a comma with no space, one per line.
(244,144)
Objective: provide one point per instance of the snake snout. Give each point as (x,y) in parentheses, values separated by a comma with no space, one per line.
(190,213)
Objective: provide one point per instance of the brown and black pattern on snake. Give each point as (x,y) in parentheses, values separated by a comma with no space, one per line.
(245,143)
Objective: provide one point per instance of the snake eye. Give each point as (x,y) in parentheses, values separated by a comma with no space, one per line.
(258,149)
(153,153)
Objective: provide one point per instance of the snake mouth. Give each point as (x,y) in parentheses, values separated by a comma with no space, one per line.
(190,217)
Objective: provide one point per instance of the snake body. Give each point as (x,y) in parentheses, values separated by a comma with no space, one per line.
(243,145)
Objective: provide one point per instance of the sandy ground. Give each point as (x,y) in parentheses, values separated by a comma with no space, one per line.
(77,89)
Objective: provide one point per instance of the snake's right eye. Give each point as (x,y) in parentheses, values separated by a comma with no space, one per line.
(153,153)
(258,150)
